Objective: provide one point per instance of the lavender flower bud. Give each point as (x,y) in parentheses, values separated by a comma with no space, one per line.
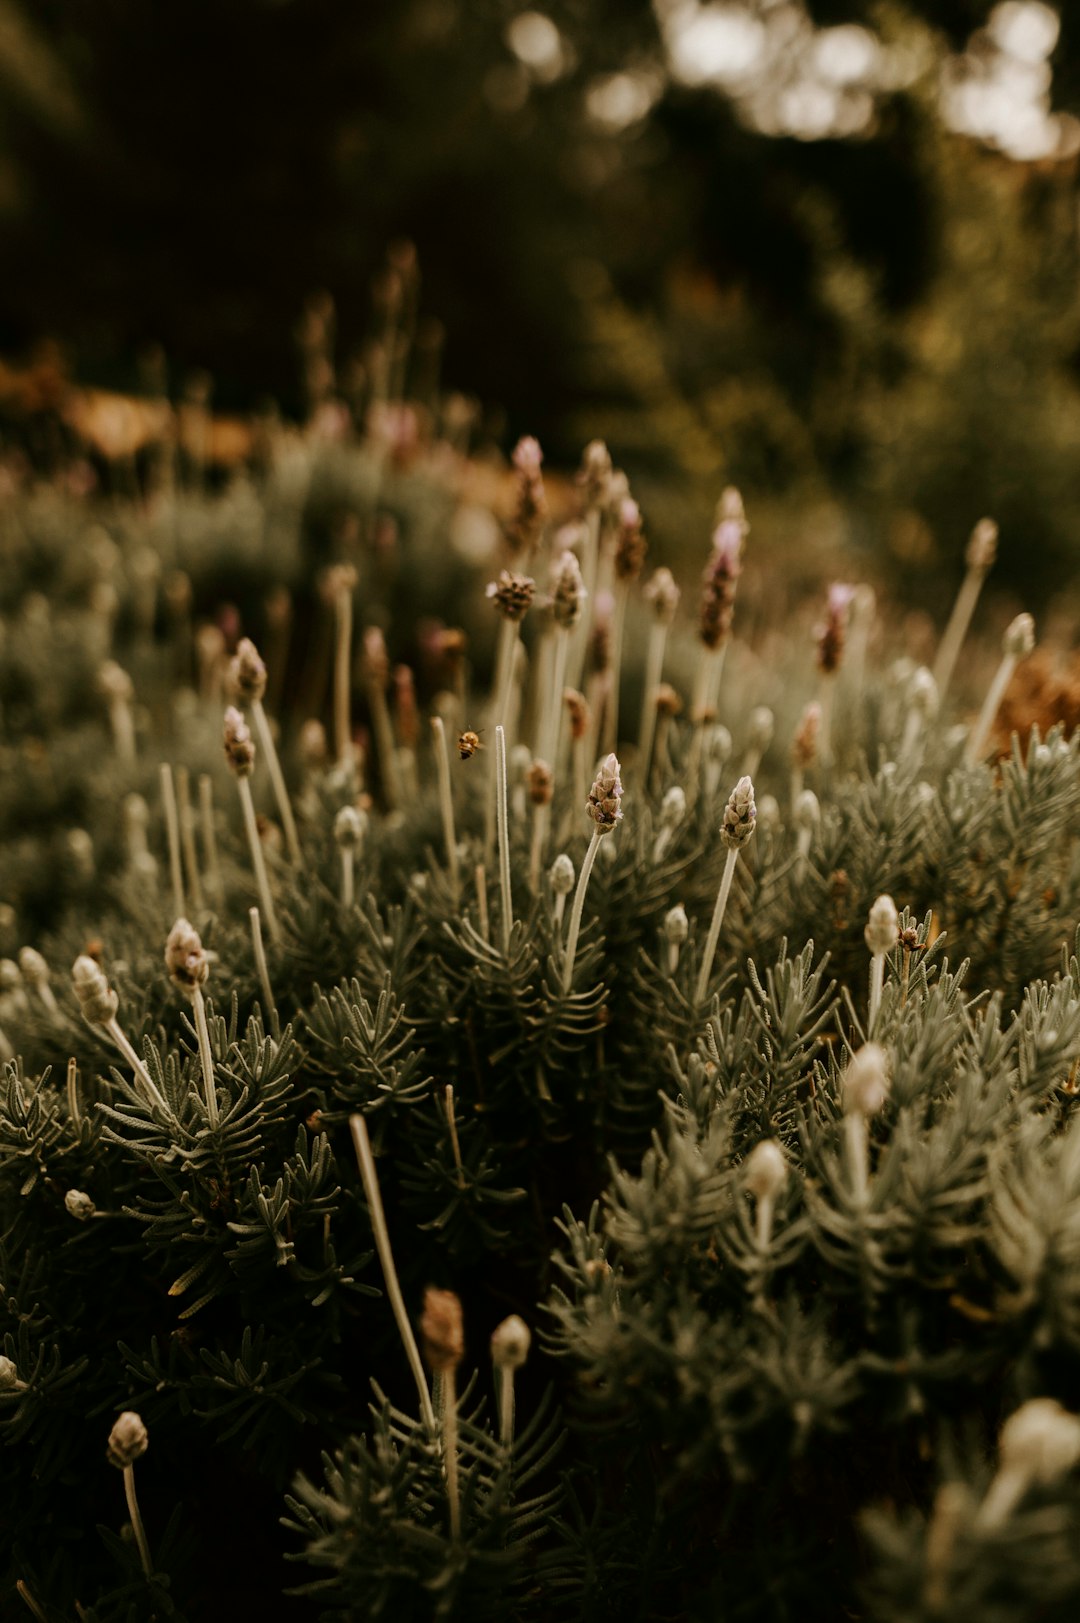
(510,1342)
(35,971)
(865,1083)
(567,591)
(923,694)
(804,745)
(762,724)
(184,957)
(769,813)
(882,927)
(1019,638)
(663,596)
(97,1000)
(350,826)
(673,807)
(982,545)
(578,712)
(79,1205)
(676,925)
(718,745)
(9,1375)
(442,1330)
(247,673)
(561,875)
(239,747)
(765,1171)
(630,543)
(511,594)
(115,684)
(605,797)
(807,810)
(740,815)
(595,475)
(127,1440)
(540,783)
(1041,1439)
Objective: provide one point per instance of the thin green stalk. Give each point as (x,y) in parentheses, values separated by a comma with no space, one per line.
(713,937)
(575,914)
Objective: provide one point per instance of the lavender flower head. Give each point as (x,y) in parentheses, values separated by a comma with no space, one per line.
(663,594)
(721,576)
(604,804)
(595,475)
(512,595)
(239,746)
(527,456)
(185,957)
(567,591)
(630,543)
(831,634)
(982,545)
(740,815)
(247,673)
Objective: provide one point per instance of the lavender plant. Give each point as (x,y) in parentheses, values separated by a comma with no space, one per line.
(573,1224)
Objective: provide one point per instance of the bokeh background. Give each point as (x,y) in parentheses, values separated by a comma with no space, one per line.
(826,249)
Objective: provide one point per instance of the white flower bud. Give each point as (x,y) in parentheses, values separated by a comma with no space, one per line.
(672,807)
(1041,1439)
(79,1205)
(765,1171)
(97,1000)
(768,813)
(562,875)
(762,725)
(676,925)
(350,827)
(718,746)
(35,971)
(510,1342)
(923,693)
(807,811)
(982,545)
(9,1375)
(1019,638)
(10,977)
(127,1440)
(882,926)
(865,1083)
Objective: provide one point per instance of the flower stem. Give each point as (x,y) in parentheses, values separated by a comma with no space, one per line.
(205,1054)
(877,986)
(277,780)
(654,671)
(142,1074)
(575,914)
(258,860)
(504,835)
(136,1520)
(705,972)
(262,969)
(362,1145)
(172,825)
(209,837)
(186,825)
(447,1380)
(343,619)
(446,802)
(976,745)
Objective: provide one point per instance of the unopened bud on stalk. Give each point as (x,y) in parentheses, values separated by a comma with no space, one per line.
(740,816)
(804,747)
(9,1375)
(512,595)
(97,1000)
(79,1205)
(676,929)
(578,712)
(807,811)
(350,827)
(247,673)
(442,1332)
(510,1343)
(127,1440)
(982,545)
(923,694)
(882,926)
(604,803)
(766,1170)
(238,743)
(768,813)
(313,745)
(866,1081)
(762,725)
(540,782)
(567,591)
(662,594)
(185,958)
(114,683)
(595,476)
(672,813)
(1019,638)
(561,875)
(1039,1443)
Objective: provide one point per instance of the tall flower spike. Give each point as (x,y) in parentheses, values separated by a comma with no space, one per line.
(530,504)
(443,1338)
(510,1342)
(99,1004)
(765,1175)
(247,681)
(595,475)
(981,551)
(186,961)
(247,673)
(736,830)
(604,806)
(127,1443)
(881,934)
(1017,643)
(865,1087)
(240,754)
(567,591)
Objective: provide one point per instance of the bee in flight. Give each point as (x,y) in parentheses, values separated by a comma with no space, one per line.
(468,744)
